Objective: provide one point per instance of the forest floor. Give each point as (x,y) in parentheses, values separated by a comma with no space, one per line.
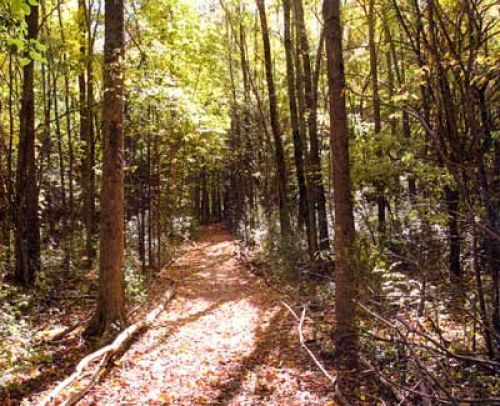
(225,339)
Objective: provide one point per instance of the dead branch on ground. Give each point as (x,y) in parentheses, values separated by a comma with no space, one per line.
(105,354)
(301,319)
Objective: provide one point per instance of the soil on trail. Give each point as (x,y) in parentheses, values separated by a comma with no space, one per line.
(224,340)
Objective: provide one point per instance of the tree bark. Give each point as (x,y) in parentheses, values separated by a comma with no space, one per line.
(318,190)
(324,238)
(71,154)
(298,142)
(285,227)
(86,135)
(346,329)
(301,112)
(110,311)
(27,241)
(5,218)
(379,184)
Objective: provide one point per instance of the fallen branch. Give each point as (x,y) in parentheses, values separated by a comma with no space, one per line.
(58,338)
(76,397)
(107,352)
(333,379)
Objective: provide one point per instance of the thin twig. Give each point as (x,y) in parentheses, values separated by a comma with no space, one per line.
(333,379)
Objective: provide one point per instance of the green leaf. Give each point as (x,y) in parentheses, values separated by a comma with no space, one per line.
(19,8)
(17,43)
(24,61)
(36,56)
(39,46)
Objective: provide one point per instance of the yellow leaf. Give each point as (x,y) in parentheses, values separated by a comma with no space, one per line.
(165,397)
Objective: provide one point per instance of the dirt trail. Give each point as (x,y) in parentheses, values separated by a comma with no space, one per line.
(224,340)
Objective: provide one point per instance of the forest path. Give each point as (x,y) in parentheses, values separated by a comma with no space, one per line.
(224,340)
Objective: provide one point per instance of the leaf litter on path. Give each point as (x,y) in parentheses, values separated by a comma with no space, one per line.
(224,340)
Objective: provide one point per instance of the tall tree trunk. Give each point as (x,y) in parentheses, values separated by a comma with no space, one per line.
(27,241)
(69,131)
(110,311)
(298,142)
(301,112)
(346,329)
(318,190)
(85,135)
(379,186)
(248,150)
(5,218)
(324,238)
(65,243)
(44,165)
(273,114)
(10,183)
(149,200)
